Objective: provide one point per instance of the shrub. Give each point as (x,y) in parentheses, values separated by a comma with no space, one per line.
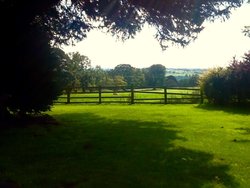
(215,84)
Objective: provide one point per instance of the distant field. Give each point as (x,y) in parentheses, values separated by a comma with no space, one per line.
(183,73)
(124,146)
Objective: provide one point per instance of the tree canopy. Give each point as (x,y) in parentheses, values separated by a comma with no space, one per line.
(30,29)
(155,75)
(176,20)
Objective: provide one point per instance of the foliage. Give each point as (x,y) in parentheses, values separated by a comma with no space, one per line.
(138,78)
(216,86)
(240,78)
(133,76)
(67,78)
(155,75)
(175,21)
(228,85)
(100,76)
(28,74)
(189,81)
(170,81)
(246,31)
(119,81)
(126,71)
(31,28)
(75,69)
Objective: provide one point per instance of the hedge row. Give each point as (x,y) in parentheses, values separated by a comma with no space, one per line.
(228,85)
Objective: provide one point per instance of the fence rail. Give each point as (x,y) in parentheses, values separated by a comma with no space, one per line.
(159,95)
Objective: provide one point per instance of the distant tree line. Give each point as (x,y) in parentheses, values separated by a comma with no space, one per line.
(220,85)
(77,72)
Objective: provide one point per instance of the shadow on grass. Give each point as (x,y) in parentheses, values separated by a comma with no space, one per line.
(244,130)
(241,141)
(91,151)
(243,110)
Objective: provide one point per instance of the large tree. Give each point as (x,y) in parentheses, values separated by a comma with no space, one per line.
(155,75)
(74,68)
(30,28)
(126,71)
(133,76)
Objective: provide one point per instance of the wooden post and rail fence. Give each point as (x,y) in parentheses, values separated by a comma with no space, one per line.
(158,95)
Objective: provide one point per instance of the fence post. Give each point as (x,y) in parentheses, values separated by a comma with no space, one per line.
(132,95)
(68,97)
(100,94)
(165,96)
(202,99)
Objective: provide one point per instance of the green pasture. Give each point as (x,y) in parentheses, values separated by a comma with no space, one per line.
(147,146)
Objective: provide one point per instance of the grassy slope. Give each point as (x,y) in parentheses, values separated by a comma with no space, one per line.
(131,146)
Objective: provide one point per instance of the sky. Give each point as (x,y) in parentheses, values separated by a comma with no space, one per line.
(215,46)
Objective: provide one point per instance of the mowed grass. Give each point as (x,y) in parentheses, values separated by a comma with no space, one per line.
(123,146)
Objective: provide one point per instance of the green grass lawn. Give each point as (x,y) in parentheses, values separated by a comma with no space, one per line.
(124,146)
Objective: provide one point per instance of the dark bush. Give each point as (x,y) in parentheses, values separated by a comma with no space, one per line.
(240,79)
(228,85)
